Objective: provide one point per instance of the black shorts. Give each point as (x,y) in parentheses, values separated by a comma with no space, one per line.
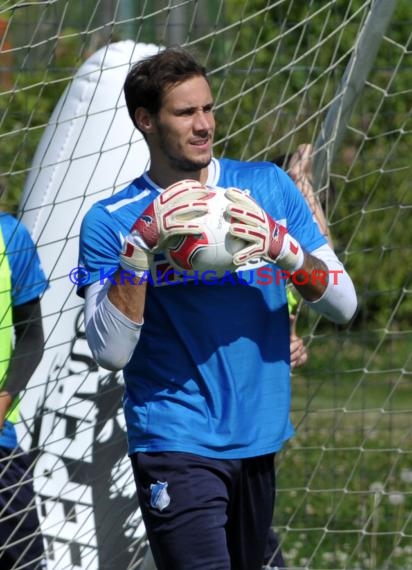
(273,553)
(21,543)
(203,513)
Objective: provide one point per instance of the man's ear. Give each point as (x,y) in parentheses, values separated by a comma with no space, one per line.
(144,120)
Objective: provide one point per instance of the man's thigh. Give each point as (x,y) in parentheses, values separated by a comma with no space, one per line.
(251,512)
(189,532)
(197,513)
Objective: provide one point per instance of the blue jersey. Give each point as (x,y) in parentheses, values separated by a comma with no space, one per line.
(27,283)
(210,374)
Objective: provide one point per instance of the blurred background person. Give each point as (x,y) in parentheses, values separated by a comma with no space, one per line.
(22,282)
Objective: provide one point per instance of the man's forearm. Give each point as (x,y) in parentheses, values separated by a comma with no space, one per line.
(326,286)
(311,280)
(29,346)
(129,296)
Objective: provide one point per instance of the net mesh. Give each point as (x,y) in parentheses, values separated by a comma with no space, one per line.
(344,483)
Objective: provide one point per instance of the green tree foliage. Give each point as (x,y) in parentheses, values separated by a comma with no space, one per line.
(26,103)
(278,83)
(286,61)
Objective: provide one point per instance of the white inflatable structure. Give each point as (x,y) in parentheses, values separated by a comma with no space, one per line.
(72,410)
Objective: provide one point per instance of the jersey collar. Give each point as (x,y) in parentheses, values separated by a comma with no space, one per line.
(213,173)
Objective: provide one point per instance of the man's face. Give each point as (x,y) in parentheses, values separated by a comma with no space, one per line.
(184,127)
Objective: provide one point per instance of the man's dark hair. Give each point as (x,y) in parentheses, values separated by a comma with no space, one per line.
(282,160)
(148,79)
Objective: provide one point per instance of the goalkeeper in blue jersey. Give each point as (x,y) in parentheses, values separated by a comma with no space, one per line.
(22,282)
(206,366)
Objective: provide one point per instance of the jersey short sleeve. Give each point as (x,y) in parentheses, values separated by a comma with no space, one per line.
(100,243)
(27,276)
(104,228)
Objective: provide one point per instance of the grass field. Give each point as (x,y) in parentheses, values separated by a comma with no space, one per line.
(345,481)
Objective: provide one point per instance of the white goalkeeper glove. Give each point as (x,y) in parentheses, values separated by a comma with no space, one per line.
(176,211)
(267,239)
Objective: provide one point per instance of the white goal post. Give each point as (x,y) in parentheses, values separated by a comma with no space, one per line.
(336,74)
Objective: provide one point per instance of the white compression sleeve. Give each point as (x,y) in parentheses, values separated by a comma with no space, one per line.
(112,337)
(338,303)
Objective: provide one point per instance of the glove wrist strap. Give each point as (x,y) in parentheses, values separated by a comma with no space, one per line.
(291,257)
(134,258)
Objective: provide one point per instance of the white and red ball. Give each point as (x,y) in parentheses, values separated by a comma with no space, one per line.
(213,249)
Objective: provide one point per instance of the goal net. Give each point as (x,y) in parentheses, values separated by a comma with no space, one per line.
(336,74)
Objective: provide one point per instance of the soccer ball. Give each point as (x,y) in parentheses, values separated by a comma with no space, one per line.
(213,249)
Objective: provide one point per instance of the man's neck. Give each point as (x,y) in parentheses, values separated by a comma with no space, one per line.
(166,178)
